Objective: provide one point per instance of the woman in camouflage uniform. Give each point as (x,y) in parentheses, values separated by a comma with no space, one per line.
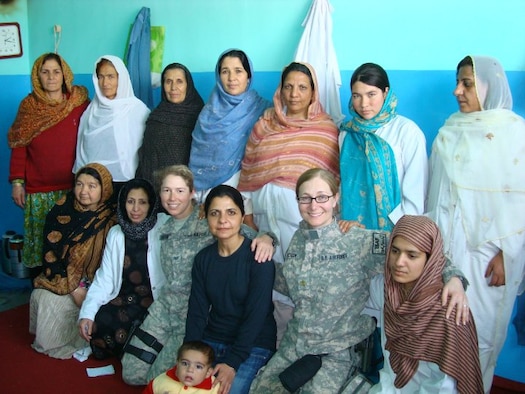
(327,275)
(153,348)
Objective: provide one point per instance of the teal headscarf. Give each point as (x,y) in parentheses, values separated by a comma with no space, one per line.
(369,183)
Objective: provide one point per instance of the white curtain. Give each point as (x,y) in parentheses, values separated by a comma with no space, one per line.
(316,47)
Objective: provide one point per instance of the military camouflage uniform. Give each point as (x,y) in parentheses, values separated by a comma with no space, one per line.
(166,319)
(327,275)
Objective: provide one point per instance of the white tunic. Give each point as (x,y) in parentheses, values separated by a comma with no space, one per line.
(491,306)
(275,209)
(108,278)
(409,146)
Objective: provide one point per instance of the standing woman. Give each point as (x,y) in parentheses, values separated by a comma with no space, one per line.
(112,127)
(43,139)
(384,166)
(130,275)
(479,204)
(74,238)
(292,137)
(224,124)
(230,305)
(167,139)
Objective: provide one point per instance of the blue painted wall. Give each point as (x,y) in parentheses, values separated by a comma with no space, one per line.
(418,43)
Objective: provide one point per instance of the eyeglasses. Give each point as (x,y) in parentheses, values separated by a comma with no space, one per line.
(308,200)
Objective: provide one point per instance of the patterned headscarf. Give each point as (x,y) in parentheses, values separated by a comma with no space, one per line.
(221,132)
(492,86)
(387,113)
(138,231)
(490,193)
(38,112)
(416,327)
(369,181)
(74,238)
(280,148)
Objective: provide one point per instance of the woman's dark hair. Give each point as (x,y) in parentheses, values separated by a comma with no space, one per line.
(89,171)
(294,66)
(198,346)
(238,54)
(134,184)
(224,191)
(55,57)
(466,61)
(102,62)
(371,74)
(187,75)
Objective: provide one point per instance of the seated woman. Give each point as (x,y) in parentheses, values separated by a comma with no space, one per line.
(181,237)
(74,238)
(130,275)
(424,351)
(384,168)
(230,305)
(224,125)
(327,275)
(112,127)
(167,139)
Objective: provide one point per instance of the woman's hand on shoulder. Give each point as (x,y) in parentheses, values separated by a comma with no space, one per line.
(85,327)
(202,214)
(346,225)
(224,375)
(454,294)
(263,248)
(18,194)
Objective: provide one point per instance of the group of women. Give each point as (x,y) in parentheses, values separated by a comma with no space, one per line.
(279,169)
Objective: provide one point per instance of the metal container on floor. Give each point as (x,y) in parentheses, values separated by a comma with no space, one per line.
(16,246)
(6,256)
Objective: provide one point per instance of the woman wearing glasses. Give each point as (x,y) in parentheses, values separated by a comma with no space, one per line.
(327,275)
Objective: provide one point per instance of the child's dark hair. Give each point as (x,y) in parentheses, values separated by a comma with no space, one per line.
(198,346)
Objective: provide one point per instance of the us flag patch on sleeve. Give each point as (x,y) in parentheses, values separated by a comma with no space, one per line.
(379,243)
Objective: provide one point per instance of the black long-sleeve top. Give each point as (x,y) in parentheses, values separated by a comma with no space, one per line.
(231,302)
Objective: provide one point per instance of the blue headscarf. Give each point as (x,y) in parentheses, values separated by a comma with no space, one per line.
(369,183)
(221,133)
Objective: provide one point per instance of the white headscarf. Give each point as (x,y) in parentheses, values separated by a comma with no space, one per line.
(483,153)
(111,131)
(492,86)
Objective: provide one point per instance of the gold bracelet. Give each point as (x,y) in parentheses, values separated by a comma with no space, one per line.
(17,182)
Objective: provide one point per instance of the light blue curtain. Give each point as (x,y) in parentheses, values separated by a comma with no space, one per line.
(138,57)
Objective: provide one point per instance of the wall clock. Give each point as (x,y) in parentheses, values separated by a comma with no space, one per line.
(10,40)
